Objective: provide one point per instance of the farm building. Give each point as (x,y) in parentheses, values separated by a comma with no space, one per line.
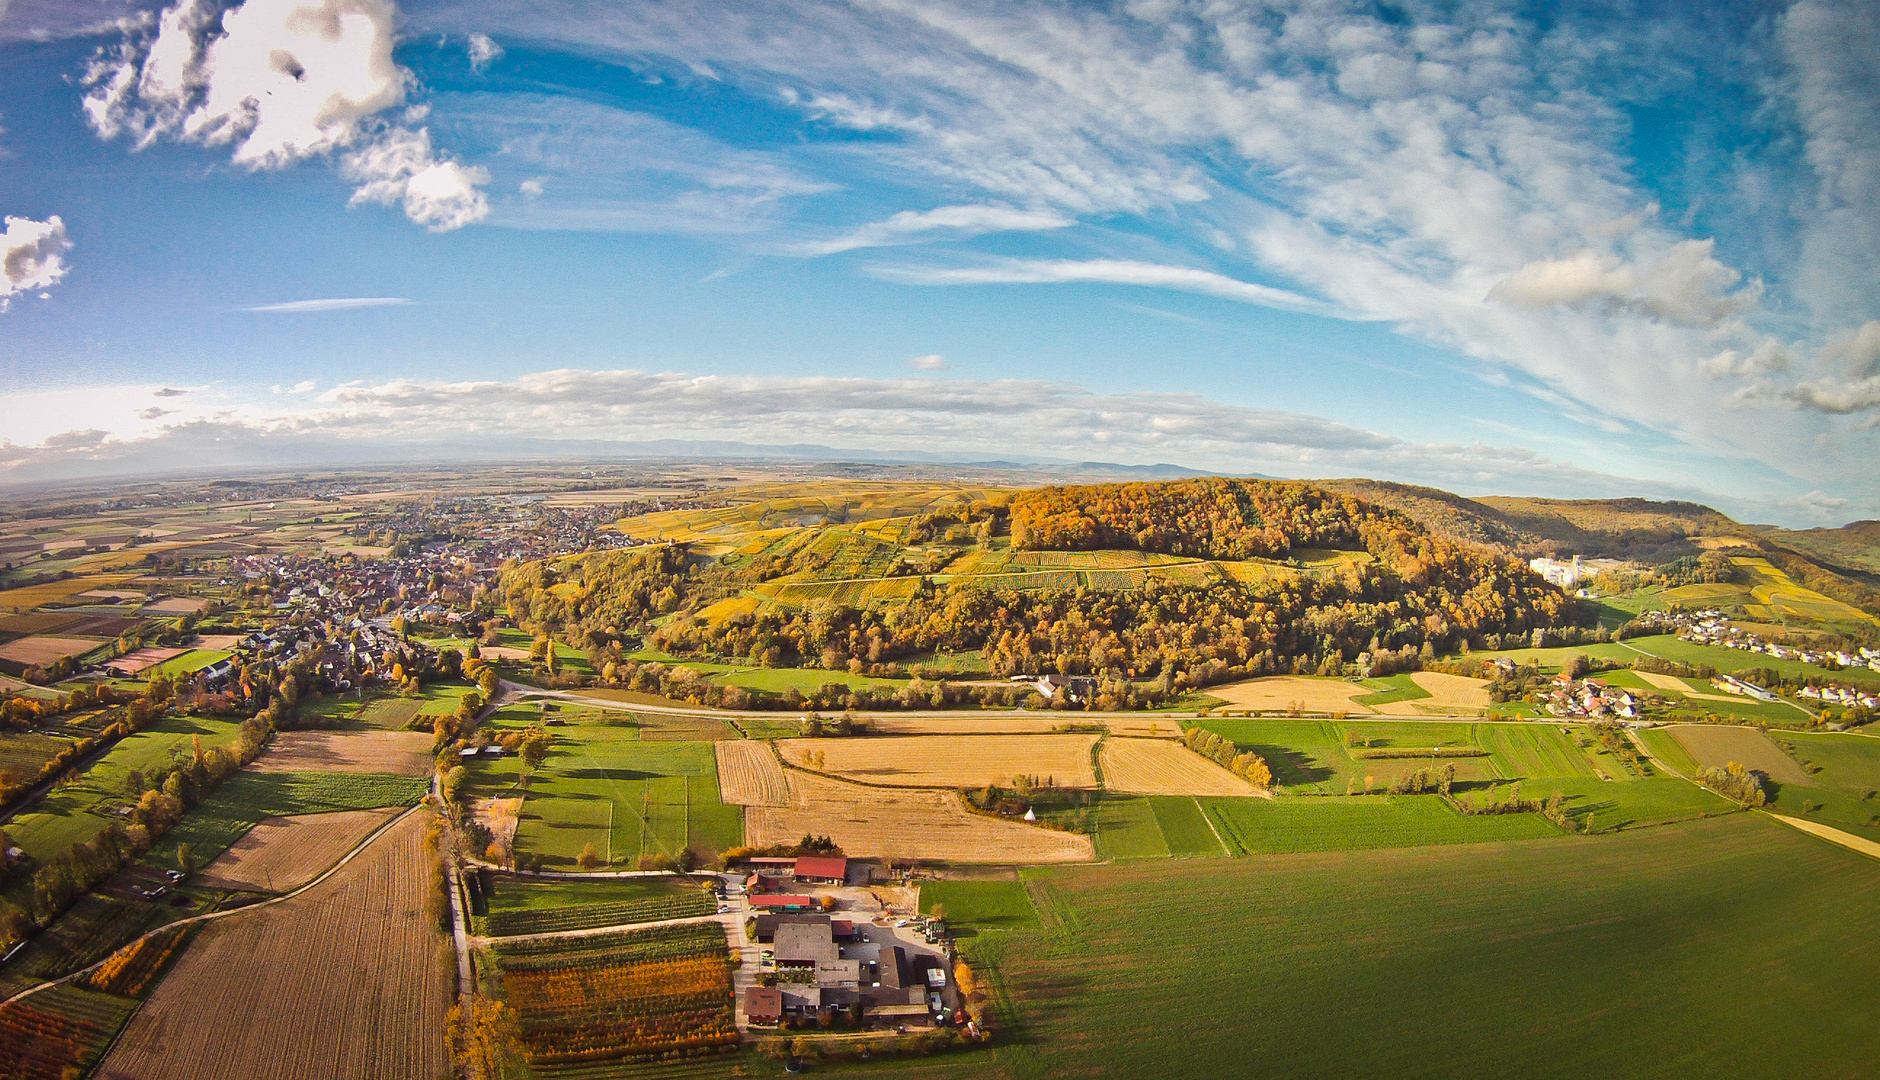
(766,929)
(763,1005)
(822,869)
(784,902)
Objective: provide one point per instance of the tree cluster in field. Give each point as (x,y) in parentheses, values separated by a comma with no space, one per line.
(1612,737)
(1417,595)
(1553,808)
(1425,781)
(1709,568)
(161,800)
(1735,782)
(1243,763)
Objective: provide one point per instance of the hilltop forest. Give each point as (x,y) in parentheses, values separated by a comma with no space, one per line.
(1395,592)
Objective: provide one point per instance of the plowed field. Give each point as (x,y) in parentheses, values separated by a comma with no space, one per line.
(906,824)
(952,761)
(749,774)
(346,980)
(283,853)
(406,753)
(1163,767)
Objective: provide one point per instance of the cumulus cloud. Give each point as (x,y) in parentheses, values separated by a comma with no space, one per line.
(335,303)
(483,52)
(1114,271)
(910,225)
(929,362)
(282,81)
(531,188)
(1686,287)
(32,256)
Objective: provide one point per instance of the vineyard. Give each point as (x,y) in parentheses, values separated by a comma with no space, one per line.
(633,995)
(58,1033)
(680,904)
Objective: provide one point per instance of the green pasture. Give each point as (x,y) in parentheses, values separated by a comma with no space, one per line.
(1844,780)
(78,811)
(1271,826)
(1391,689)
(193,660)
(1624,956)
(1668,750)
(975,906)
(606,787)
(517,894)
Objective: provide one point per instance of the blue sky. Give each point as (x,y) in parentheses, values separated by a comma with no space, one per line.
(1531,249)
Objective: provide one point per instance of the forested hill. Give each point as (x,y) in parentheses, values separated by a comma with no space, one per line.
(1190,582)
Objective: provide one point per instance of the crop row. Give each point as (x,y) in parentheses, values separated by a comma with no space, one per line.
(610,913)
(615,984)
(132,969)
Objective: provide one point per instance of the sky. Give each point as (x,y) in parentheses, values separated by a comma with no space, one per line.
(1568,250)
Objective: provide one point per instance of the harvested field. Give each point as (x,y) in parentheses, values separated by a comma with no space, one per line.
(1279,693)
(281,854)
(134,663)
(40,650)
(971,724)
(1144,727)
(1679,686)
(1162,767)
(346,980)
(36,622)
(950,761)
(906,824)
(216,641)
(1715,745)
(176,605)
(1448,694)
(503,652)
(750,775)
(406,753)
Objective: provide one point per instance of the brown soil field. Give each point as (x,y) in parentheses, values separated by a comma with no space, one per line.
(503,652)
(970,723)
(407,753)
(176,605)
(750,775)
(281,854)
(1279,692)
(906,824)
(36,622)
(1715,745)
(217,641)
(1163,767)
(346,980)
(950,761)
(142,660)
(1448,694)
(40,650)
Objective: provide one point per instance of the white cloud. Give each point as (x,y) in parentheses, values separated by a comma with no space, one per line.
(909,225)
(399,167)
(929,362)
(282,81)
(531,188)
(1686,287)
(1114,271)
(32,256)
(336,303)
(483,52)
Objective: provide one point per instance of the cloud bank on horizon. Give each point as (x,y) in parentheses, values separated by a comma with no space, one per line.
(1651,241)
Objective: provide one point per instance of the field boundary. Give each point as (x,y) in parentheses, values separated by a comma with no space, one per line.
(213,915)
(1832,835)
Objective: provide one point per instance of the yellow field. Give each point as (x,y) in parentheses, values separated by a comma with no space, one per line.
(906,823)
(949,761)
(52,592)
(1679,686)
(1162,767)
(1281,692)
(729,606)
(1449,695)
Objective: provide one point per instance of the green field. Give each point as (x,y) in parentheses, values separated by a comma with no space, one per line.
(1185,827)
(193,660)
(1844,788)
(1343,823)
(975,906)
(1616,956)
(76,812)
(602,785)
(522,907)
(1391,689)
(243,800)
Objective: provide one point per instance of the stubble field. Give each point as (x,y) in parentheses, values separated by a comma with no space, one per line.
(750,775)
(1715,745)
(1162,767)
(283,853)
(403,753)
(951,761)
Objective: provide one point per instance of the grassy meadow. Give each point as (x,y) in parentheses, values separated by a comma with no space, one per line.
(1693,950)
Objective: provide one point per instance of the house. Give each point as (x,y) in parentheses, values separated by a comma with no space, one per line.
(805,942)
(1077,688)
(763,1005)
(766,930)
(822,869)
